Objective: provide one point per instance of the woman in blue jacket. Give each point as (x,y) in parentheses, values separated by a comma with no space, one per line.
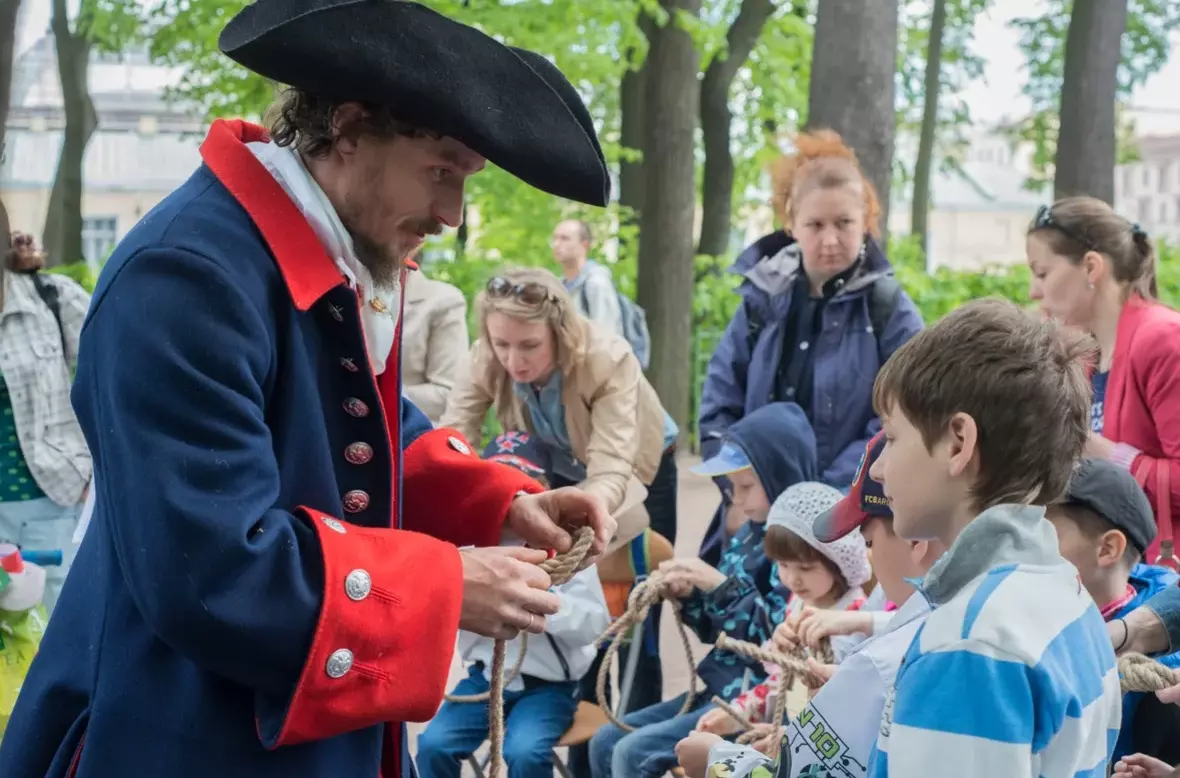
(820,313)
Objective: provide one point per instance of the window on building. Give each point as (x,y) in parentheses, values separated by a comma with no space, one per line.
(1145,176)
(1163,211)
(1165,174)
(99,236)
(1128,179)
(1145,209)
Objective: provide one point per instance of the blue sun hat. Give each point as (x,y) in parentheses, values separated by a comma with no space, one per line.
(730,459)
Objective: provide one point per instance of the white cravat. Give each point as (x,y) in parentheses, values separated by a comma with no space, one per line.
(381,305)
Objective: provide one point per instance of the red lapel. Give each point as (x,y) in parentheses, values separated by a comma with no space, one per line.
(306,267)
(1120,369)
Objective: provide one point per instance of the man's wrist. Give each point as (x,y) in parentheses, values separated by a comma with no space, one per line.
(1146,633)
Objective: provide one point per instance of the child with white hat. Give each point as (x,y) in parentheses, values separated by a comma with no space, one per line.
(818,575)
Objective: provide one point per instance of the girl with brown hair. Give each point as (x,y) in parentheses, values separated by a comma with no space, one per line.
(1095,270)
(820,313)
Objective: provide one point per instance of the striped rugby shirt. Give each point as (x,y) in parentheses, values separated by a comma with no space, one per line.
(1012,674)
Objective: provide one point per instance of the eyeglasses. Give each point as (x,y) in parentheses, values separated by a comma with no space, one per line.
(1044,221)
(529,293)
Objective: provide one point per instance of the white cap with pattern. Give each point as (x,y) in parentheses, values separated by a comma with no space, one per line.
(799,506)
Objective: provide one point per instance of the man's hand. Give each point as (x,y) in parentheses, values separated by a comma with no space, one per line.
(817,624)
(544,520)
(505,592)
(693,753)
(1143,766)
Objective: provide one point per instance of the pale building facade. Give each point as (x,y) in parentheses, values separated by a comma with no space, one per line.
(1148,191)
(142,149)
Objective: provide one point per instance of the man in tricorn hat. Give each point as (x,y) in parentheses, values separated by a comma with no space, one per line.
(272,582)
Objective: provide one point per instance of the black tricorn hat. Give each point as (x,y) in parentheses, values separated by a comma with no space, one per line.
(509,105)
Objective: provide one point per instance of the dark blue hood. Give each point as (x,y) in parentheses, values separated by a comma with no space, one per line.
(780,443)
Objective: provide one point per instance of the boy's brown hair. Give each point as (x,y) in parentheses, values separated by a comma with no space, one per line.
(782,545)
(1022,379)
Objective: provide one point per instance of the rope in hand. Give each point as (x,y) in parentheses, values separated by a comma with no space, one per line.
(560,568)
(793,665)
(1143,674)
(647,594)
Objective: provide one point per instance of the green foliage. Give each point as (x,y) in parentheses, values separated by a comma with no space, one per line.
(80,272)
(1145,50)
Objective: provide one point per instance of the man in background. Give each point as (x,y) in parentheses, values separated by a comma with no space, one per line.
(45,464)
(588,282)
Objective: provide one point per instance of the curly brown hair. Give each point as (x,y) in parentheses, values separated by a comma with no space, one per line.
(821,161)
(304,121)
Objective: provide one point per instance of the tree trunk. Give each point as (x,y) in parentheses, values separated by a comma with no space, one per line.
(717,186)
(1086,147)
(666,221)
(63,223)
(632,93)
(8,13)
(853,65)
(921,199)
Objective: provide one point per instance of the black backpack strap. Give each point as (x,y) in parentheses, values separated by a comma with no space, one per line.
(51,296)
(754,326)
(883,297)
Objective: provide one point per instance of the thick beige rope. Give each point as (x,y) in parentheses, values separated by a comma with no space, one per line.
(1143,674)
(792,667)
(560,568)
(646,595)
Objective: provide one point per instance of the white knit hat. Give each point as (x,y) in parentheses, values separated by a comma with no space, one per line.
(799,506)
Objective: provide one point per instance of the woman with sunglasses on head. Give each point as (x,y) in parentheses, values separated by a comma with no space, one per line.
(580,390)
(1094,270)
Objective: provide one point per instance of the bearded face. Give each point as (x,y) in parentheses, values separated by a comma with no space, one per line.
(391,193)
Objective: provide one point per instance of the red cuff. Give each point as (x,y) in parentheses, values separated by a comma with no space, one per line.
(449,493)
(385,636)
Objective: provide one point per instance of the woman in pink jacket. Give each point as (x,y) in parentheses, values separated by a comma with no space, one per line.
(1095,270)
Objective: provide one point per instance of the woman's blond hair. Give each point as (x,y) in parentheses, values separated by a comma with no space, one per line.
(821,161)
(557,310)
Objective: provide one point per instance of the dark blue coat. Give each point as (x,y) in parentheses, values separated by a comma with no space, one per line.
(240,605)
(743,369)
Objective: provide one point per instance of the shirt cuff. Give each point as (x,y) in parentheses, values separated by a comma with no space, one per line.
(1123,455)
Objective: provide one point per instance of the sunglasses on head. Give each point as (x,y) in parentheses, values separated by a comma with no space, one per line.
(1044,221)
(529,293)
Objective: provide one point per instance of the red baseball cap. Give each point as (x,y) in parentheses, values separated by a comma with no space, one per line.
(865,499)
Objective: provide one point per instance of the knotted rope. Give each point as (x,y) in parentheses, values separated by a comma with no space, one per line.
(1143,674)
(643,597)
(560,568)
(793,665)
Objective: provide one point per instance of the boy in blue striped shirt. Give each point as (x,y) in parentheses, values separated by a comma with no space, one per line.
(1012,674)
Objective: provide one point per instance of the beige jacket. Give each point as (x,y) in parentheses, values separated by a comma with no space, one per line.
(434,342)
(613,417)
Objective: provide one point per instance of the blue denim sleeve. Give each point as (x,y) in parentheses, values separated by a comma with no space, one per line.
(1166,605)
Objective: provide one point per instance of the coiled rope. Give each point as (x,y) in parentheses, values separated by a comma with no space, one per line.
(560,568)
